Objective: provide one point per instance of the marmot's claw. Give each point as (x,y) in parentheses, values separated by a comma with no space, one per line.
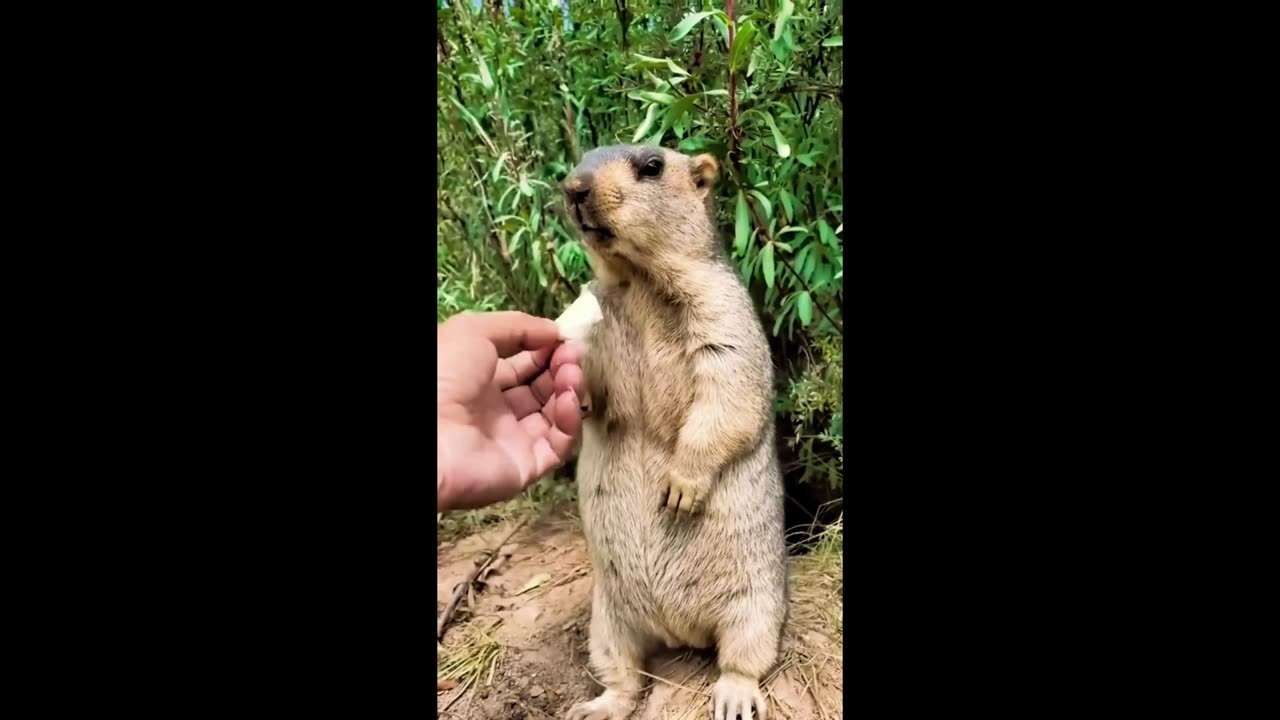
(682,496)
(735,696)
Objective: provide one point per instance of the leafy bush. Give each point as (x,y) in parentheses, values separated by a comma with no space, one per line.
(526,86)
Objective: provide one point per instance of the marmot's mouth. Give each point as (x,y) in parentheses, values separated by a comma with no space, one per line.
(602,233)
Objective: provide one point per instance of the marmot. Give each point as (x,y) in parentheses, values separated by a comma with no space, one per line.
(678,478)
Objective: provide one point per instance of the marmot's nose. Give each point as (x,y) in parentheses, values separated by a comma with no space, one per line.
(578,187)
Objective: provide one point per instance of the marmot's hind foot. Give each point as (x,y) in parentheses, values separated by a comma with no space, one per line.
(734,696)
(609,706)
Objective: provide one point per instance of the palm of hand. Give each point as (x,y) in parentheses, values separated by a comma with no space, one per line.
(504,422)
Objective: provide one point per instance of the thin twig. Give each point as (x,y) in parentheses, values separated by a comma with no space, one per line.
(673,684)
(462,691)
(462,588)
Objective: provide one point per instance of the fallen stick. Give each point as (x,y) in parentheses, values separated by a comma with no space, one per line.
(475,572)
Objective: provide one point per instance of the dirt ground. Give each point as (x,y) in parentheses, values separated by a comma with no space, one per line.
(517,647)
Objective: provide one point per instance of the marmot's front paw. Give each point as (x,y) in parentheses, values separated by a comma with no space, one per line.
(682,494)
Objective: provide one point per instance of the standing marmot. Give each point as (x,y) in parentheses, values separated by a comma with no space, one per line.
(678,478)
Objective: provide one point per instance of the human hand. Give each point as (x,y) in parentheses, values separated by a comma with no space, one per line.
(506,404)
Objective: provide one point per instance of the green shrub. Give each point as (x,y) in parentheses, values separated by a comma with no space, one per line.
(521,96)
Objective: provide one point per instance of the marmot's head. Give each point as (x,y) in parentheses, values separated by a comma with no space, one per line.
(643,203)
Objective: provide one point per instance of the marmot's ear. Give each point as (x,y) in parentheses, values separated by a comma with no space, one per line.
(705,169)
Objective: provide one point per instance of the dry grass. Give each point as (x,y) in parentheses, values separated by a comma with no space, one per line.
(471,657)
(822,592)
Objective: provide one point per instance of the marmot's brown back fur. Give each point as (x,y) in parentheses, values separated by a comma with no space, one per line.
(678,478)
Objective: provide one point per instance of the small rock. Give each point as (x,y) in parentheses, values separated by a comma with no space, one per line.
(535,691)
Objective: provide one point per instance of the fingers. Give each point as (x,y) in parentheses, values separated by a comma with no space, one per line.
(566,415)
(555,432)
(569,353)
(509,332)
(518,368)
(568,379)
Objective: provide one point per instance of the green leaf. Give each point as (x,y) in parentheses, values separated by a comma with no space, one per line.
(828,237)
(535,250)
(804,308)
(555,260)
(837,41)
(648,123)
(658,82)
(644,61)
(485,78)
(823,275)
(651,96)
(789,204)
(502,201)
(780,49)
(741,225)
(784,150)
(513,245)
(764,201)
(678,109)
(701,143)
(687,24)
(471,120)
(766,264)
(805,253)
(716,91)
(497,167)
(722,28)
(784,14)
(524,186)
(810,261)
(792,229)
(741,46)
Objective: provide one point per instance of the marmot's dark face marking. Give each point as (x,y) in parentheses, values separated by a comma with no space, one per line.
(637,201)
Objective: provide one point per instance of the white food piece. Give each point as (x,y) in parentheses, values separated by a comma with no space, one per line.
(576,322)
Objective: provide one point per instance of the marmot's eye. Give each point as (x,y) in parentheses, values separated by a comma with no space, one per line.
(652,168)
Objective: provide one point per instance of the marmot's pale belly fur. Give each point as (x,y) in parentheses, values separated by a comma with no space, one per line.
(681,579)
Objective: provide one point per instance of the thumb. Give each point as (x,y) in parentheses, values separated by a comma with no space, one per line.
(510,332)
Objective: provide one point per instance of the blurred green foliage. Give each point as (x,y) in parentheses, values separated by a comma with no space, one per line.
(526,86)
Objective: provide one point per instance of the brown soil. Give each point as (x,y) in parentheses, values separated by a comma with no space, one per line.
(541,668)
